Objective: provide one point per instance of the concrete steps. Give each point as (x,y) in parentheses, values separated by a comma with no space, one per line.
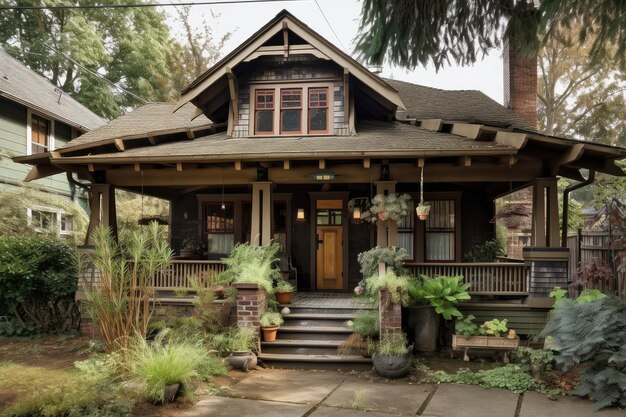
(309,338)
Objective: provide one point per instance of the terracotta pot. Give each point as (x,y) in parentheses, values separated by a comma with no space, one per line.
(243,361)
(382,215)
(284,297)
(423,216)
(269,333)
(219,292)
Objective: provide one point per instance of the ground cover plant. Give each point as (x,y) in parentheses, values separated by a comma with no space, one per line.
(37,285)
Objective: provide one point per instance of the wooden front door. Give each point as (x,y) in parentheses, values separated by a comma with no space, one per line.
(329,234)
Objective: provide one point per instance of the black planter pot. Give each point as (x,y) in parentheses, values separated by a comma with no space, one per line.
(243,361)
(425,324)
(392,366)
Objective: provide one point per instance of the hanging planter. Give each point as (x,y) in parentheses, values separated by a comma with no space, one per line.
(423,208)
(393,207)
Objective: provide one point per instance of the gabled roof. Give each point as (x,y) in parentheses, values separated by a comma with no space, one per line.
(21,84)
(285,20)
(471,106)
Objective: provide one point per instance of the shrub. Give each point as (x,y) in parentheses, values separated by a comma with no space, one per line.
(243,255)
(392,257)
(159,364)
(366,324)
(485,252)
(397,286)
(244,339)
(539,361)
(442,292)
(270,319)
(593,335)
(38,280)
(124,271)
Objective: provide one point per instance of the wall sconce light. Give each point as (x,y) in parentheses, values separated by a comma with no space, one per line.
(356,214)
(300,215)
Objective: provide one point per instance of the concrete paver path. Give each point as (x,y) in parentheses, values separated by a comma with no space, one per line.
(286,393)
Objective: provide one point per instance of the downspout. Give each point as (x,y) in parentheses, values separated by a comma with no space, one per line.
(588,181)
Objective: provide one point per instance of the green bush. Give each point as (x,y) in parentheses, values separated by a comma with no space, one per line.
(366,324)
(397,286)
(244,257)
(392,257)
(38,279)
(592,335)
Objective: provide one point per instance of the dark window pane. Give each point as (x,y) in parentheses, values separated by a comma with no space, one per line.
(317,120)
(291,121)
(265,121)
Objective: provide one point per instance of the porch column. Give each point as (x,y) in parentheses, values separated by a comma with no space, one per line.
(386,231)
(102,210)
(261,228)
(545,221)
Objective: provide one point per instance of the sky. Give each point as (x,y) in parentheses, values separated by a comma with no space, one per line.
(343,16)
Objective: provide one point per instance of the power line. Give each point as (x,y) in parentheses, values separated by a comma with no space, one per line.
(331,27)
(126,6)
(96,74)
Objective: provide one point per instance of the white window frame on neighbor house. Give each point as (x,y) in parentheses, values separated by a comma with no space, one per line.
(29,131)
(304,108)
(57,218)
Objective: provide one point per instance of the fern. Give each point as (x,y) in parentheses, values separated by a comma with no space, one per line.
(593,335)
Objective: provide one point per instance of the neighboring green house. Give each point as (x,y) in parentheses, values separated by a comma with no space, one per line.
(36,117)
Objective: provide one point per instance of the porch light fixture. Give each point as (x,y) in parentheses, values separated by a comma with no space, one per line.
(300,215)
(356,214)
(324,176)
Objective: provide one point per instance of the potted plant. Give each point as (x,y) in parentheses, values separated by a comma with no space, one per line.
(190,248)
(241,357)
(390,355)
(392,207)
(423,210)
(283,292)
(270,323)
(437,296)
(492,334)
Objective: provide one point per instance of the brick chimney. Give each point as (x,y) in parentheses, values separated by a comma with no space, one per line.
(520,83)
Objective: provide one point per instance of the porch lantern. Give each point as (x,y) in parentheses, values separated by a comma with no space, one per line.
(356,214)
(300,215)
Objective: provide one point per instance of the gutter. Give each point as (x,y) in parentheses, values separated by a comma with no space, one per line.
(566,192)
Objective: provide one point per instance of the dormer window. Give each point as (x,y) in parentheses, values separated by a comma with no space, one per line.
(300,110)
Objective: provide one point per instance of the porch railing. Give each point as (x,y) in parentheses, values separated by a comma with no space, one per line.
(179,273)
(497,278)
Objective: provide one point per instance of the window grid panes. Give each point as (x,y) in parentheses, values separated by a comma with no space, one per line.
(40,134)
(219,227)
(318,110)
(440,232)
(291,110)
(264,112)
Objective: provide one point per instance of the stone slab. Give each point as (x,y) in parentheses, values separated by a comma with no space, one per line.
(300,387)
(239,407)
(324,411)
(538,405)
(389,397)
(471,401)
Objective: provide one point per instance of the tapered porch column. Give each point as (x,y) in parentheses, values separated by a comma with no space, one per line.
(261,230)
(386,231)
(102,210)
(545,225)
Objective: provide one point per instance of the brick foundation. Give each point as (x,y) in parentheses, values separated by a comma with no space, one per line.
(251,304)
(390,313)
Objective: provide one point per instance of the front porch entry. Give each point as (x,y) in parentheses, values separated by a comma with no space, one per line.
(329,240)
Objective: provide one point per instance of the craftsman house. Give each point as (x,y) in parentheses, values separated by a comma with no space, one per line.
(285,137)
(35,118)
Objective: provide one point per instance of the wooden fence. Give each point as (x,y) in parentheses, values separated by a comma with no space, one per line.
(587,245)
(493,278)
(178,274)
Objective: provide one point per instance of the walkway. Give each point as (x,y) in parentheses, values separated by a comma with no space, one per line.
(286,393)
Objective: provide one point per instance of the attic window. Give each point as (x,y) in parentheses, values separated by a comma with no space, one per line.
(302,109)
(40,134)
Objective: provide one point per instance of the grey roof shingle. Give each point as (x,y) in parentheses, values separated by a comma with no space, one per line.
(145,120)
(383,137)
(20,83)
(459,105)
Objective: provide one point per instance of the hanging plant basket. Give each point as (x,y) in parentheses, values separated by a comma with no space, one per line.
(392,207)
(423,210)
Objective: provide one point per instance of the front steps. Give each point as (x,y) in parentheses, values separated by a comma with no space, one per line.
(309,338)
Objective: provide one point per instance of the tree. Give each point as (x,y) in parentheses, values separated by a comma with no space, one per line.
(578,97)
(131,47)
(413,32)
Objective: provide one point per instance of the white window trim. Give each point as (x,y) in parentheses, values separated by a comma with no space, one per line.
(29,131)
(56,212)
(305,108)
